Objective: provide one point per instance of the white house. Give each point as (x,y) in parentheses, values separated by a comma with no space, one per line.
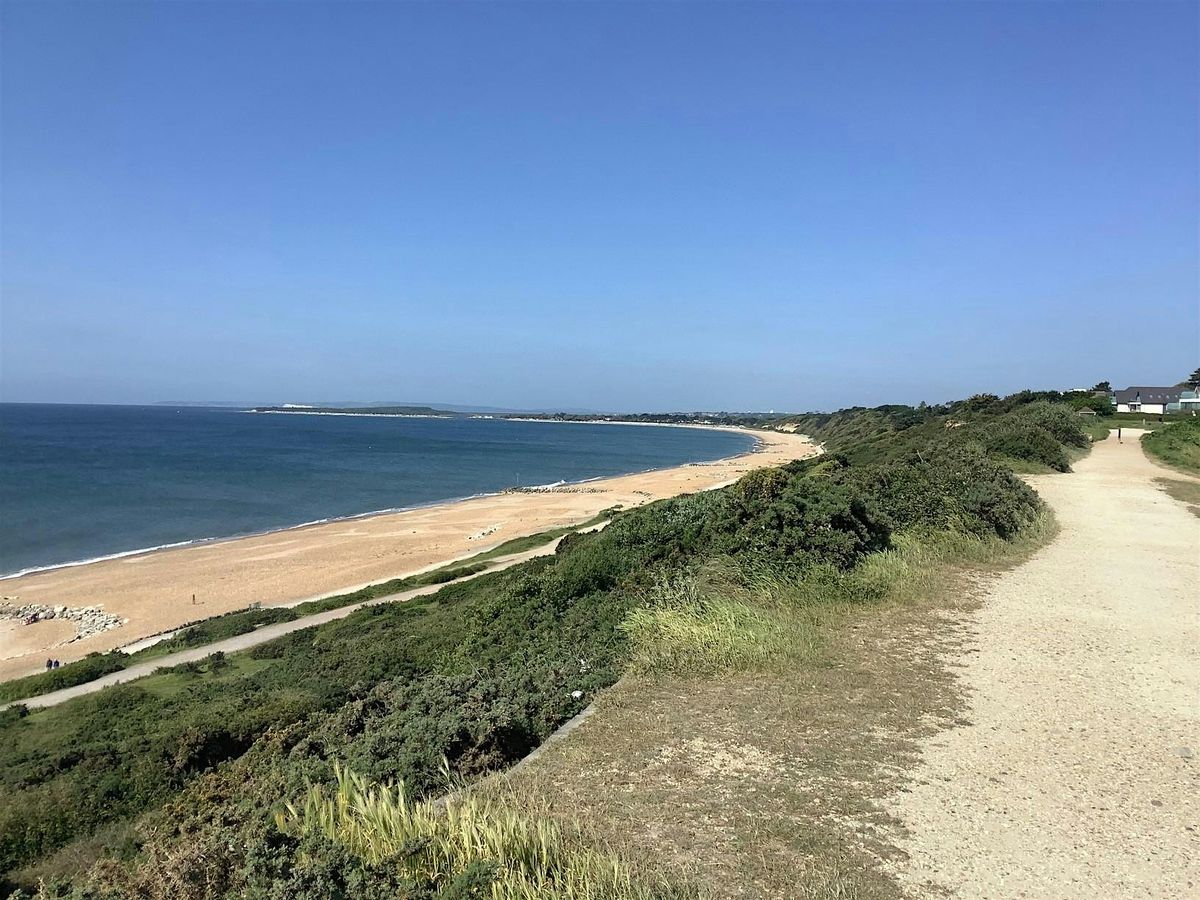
(1150,400)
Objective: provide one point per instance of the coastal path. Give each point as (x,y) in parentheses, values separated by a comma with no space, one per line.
(1078,774)
(270,632)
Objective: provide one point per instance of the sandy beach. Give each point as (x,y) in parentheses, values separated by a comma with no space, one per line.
(154,591)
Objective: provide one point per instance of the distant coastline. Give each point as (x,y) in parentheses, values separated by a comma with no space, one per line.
(153,590)
(386,412)
(362,415)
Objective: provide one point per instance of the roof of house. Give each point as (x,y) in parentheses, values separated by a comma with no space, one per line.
(1149,395)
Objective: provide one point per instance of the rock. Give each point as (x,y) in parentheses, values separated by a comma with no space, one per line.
(92,619)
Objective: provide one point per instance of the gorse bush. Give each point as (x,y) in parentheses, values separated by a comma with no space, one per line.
(1019,439)
(483,671)
(954,487)
(1029,426)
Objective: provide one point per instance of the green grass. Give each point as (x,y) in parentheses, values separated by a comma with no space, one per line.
(700,625)
(1177,445)
(1026,466)
(1149,421)
(87,669)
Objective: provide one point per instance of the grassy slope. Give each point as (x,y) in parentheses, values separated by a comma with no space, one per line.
(482,671)
(1177,445)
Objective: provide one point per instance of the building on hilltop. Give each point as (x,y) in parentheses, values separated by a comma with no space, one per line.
(1155,400)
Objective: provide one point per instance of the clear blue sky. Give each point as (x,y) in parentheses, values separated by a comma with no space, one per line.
(625,206)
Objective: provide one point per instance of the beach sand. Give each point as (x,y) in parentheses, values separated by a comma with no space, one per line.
(154,591)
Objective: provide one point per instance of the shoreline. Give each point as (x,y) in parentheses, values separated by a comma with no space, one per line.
(158,590)
(392,510)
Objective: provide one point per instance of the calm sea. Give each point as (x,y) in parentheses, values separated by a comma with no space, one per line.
(80,482)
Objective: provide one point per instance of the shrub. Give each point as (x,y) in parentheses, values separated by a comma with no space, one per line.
(1059,419)
(91,667)
(1019,439)
(954,487)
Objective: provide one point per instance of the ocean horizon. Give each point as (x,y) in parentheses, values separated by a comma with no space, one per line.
(80,483)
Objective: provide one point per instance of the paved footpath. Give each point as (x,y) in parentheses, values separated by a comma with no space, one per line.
(263,634)
(1078,775)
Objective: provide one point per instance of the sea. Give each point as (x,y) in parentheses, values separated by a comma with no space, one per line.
(80,483)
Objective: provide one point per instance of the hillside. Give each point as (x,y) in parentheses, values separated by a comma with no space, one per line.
(173,780)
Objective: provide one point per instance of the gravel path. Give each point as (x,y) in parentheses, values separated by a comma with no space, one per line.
(1078,773)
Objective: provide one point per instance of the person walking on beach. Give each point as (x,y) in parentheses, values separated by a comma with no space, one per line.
(1119,441)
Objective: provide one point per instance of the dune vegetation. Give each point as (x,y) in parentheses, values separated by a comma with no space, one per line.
(1177,445)
(232,777)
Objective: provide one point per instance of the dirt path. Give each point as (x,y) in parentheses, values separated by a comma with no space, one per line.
(1078,773)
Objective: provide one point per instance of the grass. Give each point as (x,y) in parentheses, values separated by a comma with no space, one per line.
(1149,421)
(168,683)
(1177,445)
(470,847)
(701,626)
(1027,466)
(723,619)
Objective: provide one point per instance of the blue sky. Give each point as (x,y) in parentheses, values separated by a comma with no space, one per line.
(625,206)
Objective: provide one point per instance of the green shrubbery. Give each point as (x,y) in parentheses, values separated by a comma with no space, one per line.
(232,624)
(1016,439)
(91,667)
(481,672)
(1177,445)
(1028,426)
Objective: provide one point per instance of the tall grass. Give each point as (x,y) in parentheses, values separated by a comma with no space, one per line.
(708,622)
(502,853)
(732,618)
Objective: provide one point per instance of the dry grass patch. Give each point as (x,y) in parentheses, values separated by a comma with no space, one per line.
(1184,491)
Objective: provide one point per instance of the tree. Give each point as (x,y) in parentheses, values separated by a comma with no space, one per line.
(1102,386)
(1193,381)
